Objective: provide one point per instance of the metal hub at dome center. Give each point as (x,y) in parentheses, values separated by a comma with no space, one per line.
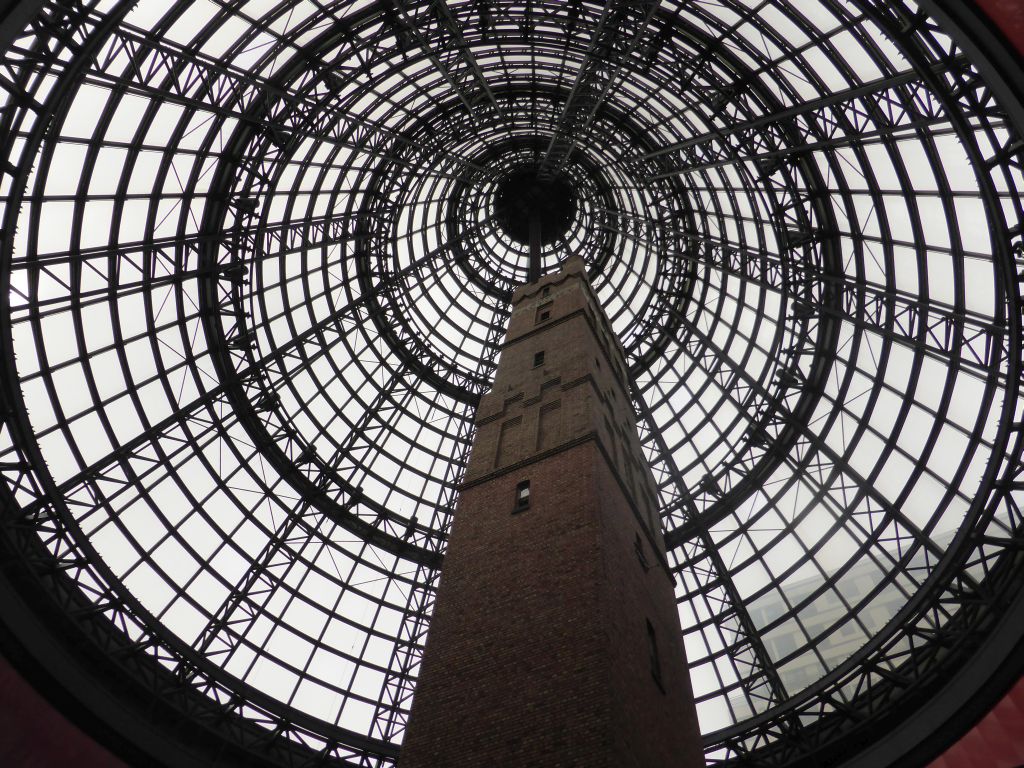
(524,200)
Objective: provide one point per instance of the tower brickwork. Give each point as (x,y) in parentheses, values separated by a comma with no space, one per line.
(555,639)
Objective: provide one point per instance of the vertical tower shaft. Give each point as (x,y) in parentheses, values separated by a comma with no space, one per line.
(555,640)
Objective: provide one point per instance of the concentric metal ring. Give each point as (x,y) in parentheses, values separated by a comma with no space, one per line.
(253,285)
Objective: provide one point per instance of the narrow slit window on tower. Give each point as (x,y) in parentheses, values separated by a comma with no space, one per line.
(544,312)
(522,496)
(538,359)
(638,546)
(545,290)
(652,648)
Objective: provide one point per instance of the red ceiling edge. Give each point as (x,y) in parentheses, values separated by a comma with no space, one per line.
(34,734)
(1008,15)
(995,742)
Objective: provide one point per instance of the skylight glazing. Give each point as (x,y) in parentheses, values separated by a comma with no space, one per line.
(255,286)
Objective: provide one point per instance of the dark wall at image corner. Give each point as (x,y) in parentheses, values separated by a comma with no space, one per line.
(35,735)
(1008,15)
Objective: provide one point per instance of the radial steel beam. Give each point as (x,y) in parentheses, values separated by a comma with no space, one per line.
(15,17)
(131,61)
(205,401)
(227,627)
(764,683)
(618,33)
(941,331)
(936,126)
(439,36)
(881,91)
(950,99)
(897,102)
(867,490)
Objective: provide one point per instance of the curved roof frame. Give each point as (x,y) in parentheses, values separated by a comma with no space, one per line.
(784,346)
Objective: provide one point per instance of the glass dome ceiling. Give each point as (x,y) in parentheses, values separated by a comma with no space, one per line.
(257,266)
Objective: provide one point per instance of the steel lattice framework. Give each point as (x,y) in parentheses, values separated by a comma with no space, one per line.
(254,286)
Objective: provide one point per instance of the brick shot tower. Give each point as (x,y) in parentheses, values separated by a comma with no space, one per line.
(555,639)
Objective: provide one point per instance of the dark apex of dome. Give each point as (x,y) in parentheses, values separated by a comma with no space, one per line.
(522,195)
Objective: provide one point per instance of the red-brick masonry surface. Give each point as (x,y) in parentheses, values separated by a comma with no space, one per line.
(538,652)
(555,639)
